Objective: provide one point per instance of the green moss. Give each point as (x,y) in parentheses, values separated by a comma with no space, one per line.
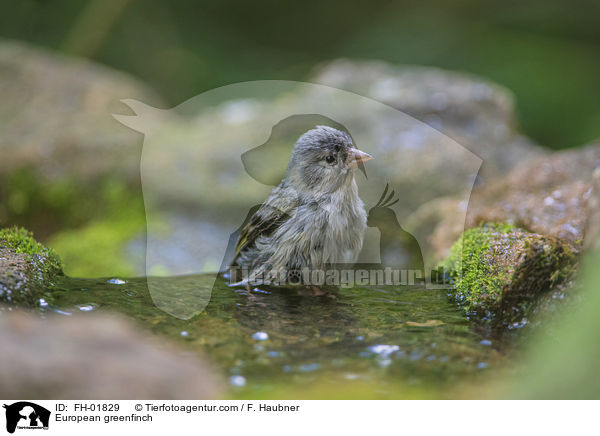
(499,271)
(477,282)
(27,268)
(21,241)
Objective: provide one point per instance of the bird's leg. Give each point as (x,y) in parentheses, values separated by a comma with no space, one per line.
(253,298)
(249,292)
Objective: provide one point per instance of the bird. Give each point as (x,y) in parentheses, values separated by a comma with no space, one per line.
(313,219)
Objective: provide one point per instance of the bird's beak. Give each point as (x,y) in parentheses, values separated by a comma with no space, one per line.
(358,160)
(360,156)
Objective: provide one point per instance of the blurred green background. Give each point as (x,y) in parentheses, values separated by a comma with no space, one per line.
(546,52)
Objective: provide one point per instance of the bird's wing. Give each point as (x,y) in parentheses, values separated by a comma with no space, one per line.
(279,207)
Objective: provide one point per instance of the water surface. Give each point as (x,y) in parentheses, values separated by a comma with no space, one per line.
(368,342)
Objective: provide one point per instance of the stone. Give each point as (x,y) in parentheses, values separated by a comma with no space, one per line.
(56,116)
(27,268)
(592,231)
(500,271)
(64,160)
(551,195)
(98,357)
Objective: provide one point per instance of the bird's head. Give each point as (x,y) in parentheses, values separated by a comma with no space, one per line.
(323,160)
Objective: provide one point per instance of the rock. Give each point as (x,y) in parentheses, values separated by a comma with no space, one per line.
(95,357)
(592,231)
(476,113)
(27,268)
(500,271)
(550,195)
(56,115)
(62,155)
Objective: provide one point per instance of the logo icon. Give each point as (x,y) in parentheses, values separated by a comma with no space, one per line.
(26,415)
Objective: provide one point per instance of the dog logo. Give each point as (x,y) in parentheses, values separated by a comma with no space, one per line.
(26,415)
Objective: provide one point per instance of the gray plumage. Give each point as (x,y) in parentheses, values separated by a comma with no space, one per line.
(314,218)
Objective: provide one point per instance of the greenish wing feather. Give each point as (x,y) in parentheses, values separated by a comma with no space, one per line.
(265,222)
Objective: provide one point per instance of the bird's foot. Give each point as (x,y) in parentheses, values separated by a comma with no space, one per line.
(253,299)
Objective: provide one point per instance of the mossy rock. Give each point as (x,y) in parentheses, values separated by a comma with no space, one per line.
(501,271)
(27,268)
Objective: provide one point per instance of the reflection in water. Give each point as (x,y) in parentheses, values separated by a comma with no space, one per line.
(371,342)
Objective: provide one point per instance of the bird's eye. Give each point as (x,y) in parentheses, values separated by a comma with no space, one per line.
(330,160)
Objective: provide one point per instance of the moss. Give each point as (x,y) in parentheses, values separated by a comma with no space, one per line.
(500,270)
(21,241)
(27,268)
(476,282)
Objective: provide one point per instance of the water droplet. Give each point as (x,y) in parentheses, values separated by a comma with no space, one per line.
(184,333)
(116,281)
(260,336)
(87,307)
(237,380)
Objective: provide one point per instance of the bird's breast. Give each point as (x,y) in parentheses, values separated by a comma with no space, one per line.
(345,227)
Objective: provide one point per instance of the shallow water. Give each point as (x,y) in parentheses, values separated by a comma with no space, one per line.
(369,342)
